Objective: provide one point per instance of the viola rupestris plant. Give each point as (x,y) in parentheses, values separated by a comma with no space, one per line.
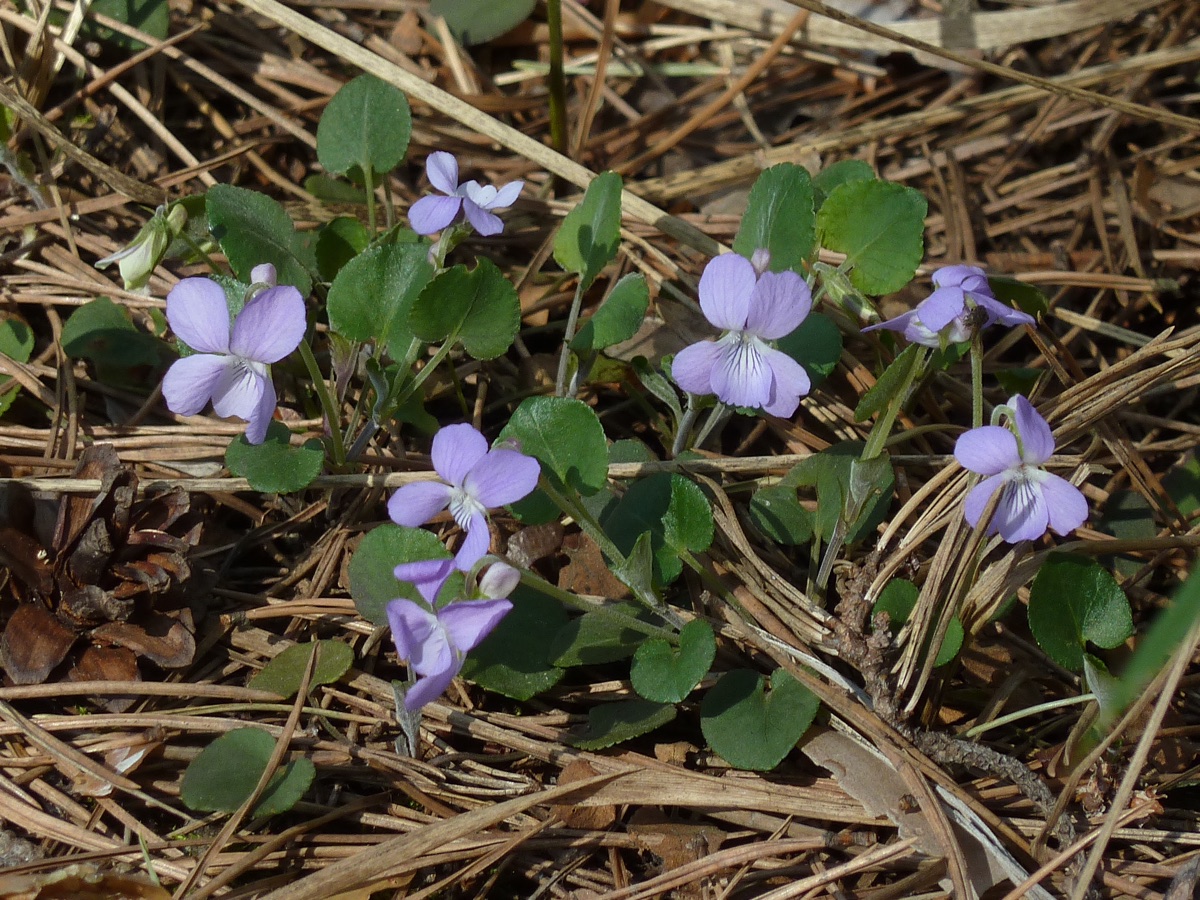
(434,640)
(474,200)
(1011,456)
(961,305)
(753,308)
(230,364)
(474,480)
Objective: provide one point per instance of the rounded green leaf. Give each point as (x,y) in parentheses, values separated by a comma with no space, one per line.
(596,638)
(226,772)
(373,583)
(1073,601)
(618,319)
(673,510)
(591,233)
(372,295)
(779,218)
(880,227)
(777,513)
(472,22)
(252,229)
(367,123)
(480,307)
(16,342)
(565,436)
(275,466)
(611,723)
(283,674)
(150,16)
(338,242)
(101,331)
(514,660)
(667,674)
(840,173)
(816,345)
(751,729)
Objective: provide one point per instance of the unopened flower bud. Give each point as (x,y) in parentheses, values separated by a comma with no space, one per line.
(499,581)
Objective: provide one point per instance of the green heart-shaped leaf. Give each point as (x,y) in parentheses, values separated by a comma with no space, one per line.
(373,581)
(666,674)
(479,306)
(515,659)
(252,229)
(591,233)
(612,723)
(367,123)
(275,466)
(750,728)
(283,674)
(226,772)
(565,436)
(1074,600)
(880,227)
(779,218)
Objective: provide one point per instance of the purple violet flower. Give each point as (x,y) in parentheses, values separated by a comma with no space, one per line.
(430,214)
(741,367)
(435,642)
(961,303)
(1031,498)
(231,366)
(474,480)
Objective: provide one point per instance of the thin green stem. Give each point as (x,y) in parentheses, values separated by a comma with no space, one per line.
(976,380)
(420,378)
(623,619)
(332,418)
(883,425)
(556,78)
(564,359)
(1031,711)
(684,428)
(719,414)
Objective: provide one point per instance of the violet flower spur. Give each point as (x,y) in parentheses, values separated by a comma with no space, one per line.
(1031,498)
(474,480)
(231,365)
(430,214)
(435,642)
(961,304)
(741,367)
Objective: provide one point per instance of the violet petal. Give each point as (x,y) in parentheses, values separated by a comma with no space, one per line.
(484,222)
(791,383)
(190,382)
(441,168)
(415,504)
(469,622)
(726,286)
(456,450)
(1066,504)
(693,366)
(1037,442)
(270,326)
(987,450)
(430,214)
(199,316)
(779,303)
(502,477)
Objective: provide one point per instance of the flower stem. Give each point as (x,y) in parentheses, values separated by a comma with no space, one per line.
(976,380)
(367,175)
(332,418)
(558,84)
(564,359)
(719,414)
(883,425)
(568,599)
(684,429)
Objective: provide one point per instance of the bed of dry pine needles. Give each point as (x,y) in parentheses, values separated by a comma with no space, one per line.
(1078,172)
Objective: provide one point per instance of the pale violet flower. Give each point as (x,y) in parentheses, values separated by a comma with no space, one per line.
(231,364)
(961,304)
(741,367)
(435,642)
(474,480)
(1011,457)
(475,200)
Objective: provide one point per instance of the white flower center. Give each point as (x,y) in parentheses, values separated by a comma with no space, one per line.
(464,507)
